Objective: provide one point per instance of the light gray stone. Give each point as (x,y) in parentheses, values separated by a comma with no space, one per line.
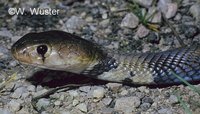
(145,3)
(42,103)
(85,88)
(31,88)
(168,8)
(82,107)
(114,86)
(14,105)
(5,111)
(18,92)
(173,99)
(165,111)
(125,103)
(155,14)
(107,101)
(74,23)
(130,21)
(98,93)
(195,11)
(142,31)
(6,33)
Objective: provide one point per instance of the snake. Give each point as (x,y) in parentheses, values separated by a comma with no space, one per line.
(59,50)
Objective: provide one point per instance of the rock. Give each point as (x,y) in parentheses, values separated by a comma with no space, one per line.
(5,111)
(145,106)
(31,88)
(173,99)
(171,10)
(64,112)
(14,105)
(104,16)
(82,107)
(153,38)
(18,92)
(98,93)
(145,3)
(124,92)
(107,101)
(75,102)
(130,21)
(156,17)
(195,11)
(4,52)
(142,31)
(85,89)
(147,100)
(167,8)
(114,86)
(125,103)
(74,23)
(165,111)
(162,4)
(15,38)
(13,63)
(189,30)
(177,17)
(42,103)
(57,103)
(73,93)
(6,33)
(107,111)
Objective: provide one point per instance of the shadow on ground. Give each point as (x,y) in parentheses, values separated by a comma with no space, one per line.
(53,79)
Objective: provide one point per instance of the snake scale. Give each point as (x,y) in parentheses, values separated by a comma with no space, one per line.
(58,50)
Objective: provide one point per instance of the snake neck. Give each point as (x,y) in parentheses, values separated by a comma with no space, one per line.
(103,64)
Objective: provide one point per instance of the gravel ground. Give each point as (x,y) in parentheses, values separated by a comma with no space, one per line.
(112,25)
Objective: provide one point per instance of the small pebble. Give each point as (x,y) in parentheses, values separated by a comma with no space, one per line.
(165,111)
(145,106)
(130,21)
(82,107)
(42,103)
(18,92)
(85,89)
(57,103)
(171,10)
(147,100)
(31,88)
(124,92)
(14,105)
(195,11)
(145,3)
(74,23)
(173,99)
(107,101)
(124,103)
(73,93)
(5,111)
(75,102)
(114,86)
(98,93)
(142,31)
(6,33)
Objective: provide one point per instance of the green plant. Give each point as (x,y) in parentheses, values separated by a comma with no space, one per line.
(143,15)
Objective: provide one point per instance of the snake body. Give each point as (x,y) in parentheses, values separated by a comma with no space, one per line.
(59,50)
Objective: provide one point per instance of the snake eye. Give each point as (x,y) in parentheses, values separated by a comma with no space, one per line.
(42,49)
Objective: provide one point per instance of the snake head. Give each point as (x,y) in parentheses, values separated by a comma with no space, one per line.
(55,50)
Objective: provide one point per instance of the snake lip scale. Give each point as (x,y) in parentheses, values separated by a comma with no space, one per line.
(58,50)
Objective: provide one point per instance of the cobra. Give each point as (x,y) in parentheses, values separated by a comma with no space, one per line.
(58,50)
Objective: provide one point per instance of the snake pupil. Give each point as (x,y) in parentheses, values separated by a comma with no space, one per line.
(42,49)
